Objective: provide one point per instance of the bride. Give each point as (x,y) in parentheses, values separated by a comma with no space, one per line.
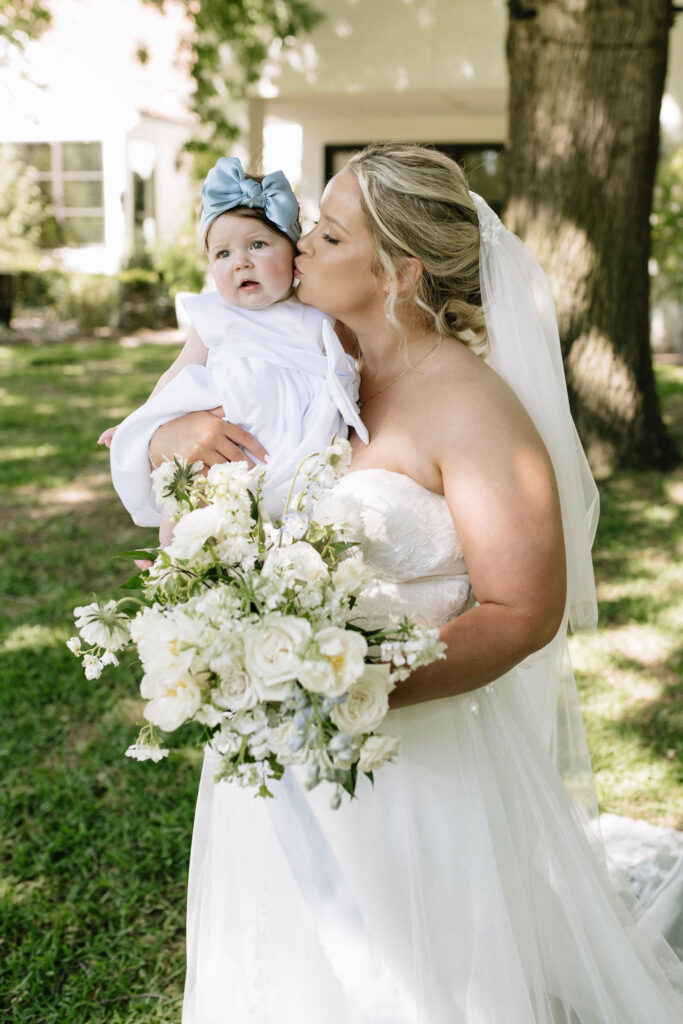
(466,885)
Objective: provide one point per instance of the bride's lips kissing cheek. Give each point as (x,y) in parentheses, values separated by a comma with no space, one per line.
(335,258)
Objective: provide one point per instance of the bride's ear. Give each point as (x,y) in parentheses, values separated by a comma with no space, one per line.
(409,275)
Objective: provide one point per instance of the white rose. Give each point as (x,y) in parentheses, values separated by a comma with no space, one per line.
(318,677)
(193,530)
(343,650)
(299,560)
(235,692)
(170,704)
(366,704)
(376,751)
(352,574)
(270,654)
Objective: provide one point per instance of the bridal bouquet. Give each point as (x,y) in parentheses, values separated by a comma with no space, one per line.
(248,627)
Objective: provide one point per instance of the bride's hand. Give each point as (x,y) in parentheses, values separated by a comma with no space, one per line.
(205,437)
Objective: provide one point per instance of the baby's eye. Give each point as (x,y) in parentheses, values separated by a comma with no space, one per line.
(221,255)
(257,245)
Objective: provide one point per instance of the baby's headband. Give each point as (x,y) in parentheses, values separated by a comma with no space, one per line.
(226,187)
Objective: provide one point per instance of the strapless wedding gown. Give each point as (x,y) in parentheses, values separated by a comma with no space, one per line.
(459,889)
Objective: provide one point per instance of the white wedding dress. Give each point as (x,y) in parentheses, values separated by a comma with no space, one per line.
(460,889)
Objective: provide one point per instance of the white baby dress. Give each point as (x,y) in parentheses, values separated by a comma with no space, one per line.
(279,372)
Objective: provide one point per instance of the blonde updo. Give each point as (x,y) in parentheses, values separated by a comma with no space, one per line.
(417,204)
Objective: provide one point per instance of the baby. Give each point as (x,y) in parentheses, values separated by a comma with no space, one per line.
(275,365)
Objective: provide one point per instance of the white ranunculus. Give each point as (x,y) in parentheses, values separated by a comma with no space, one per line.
(367,702)
(299,561)
(235,692)
(376,751)
(193,530)
(164,642)
(170,704)
(344,652)
(271,654)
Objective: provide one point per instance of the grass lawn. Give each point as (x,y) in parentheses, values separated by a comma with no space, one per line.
(94,846)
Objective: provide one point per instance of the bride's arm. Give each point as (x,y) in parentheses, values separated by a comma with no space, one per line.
(501,491)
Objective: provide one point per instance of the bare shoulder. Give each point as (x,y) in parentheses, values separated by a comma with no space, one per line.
(471,408)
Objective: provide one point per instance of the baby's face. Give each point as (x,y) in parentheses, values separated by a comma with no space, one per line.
(251,263)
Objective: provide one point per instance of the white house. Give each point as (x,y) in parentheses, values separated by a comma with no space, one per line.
(104,128)
(107,130)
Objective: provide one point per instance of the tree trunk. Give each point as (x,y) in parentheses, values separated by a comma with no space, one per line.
(586,82)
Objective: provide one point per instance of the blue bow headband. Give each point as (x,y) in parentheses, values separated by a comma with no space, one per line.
(226,187)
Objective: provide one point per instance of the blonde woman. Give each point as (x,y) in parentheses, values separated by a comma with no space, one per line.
(460,888)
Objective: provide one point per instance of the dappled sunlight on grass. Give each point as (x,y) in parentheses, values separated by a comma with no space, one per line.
(28,636)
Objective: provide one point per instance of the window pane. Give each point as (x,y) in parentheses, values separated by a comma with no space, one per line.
(37,154)
(83,194)
(83,230)
(82,156)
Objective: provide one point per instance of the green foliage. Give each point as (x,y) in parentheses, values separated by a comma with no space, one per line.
(228,48)
(21,20)
(181,264)
(22,211)
(666,234)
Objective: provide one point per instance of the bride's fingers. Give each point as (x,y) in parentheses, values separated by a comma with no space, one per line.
(240,437)
(143,563)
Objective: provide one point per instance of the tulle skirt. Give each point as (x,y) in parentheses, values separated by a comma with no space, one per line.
(462,888)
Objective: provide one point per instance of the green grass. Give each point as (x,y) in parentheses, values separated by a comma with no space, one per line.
(95,847)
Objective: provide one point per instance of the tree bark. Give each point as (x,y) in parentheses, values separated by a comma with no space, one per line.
(586,82)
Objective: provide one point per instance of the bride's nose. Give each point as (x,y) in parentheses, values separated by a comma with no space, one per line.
(303,243)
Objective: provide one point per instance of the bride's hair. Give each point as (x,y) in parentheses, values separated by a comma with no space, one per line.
(418,205)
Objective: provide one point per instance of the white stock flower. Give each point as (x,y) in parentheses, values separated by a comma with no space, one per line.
(170,703)
(145,752)
(376,751)
(271,654)
(367,702)
(102,625)
(74,644)
(193,530)
(341,663)
(92,666)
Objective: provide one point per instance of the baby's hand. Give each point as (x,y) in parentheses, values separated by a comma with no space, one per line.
(107,435)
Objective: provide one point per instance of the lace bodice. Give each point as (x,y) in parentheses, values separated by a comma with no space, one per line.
(411,546)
